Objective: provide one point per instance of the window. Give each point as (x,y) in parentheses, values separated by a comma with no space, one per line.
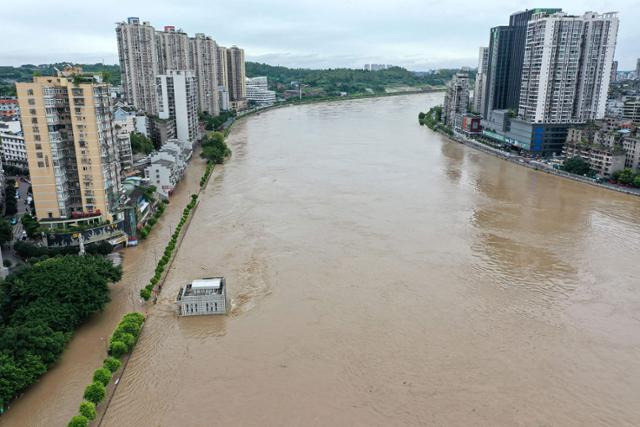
(31,101)
(34,120)
(30,92)
(40,164)
(32,112)
(36,138)
(38,146)
(39,154)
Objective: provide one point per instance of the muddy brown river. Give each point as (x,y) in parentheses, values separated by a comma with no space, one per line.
(382,275)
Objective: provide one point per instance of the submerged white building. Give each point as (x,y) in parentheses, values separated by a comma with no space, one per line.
(203,296)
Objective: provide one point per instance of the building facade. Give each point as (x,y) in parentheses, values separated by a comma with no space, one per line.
(456,101)
(258,91)
(71,148)
(177,102)
(203,53)
(237,77)
(139,63)
(567,67)
(480,84)
(172,48)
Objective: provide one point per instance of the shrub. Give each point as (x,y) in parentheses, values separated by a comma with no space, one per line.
(78,421)
(95,392)
(88,410)
(145,294)
(130,326)
(118,348)
(102,375)
(112,364)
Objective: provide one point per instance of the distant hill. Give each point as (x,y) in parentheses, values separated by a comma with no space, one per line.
(352,81)
(24,73)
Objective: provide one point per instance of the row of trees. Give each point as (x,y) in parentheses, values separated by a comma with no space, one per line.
(431,118)
(214,148)
(160,207)
(40,307)
(145,292)
(215,122)
(627,177)
(122,341)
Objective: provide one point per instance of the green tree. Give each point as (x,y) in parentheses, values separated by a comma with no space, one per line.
(95,392)
(78,421)
(140,143)
(626,176)
(30,225)
(576,165)
(636,181)
(112,364)
(6,231)
(102,375)
(118,348)
(88,410)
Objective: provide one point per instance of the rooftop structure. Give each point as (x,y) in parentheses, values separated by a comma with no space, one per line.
(203,296)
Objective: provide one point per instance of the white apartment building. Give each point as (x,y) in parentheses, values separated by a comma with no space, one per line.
(13,149)
(258,91)
(456,101)
(481,80)
(177,101)
(567,67)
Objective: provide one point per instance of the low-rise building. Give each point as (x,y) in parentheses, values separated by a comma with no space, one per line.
(9,108)
(472,124)
(203,296)
(258,91)
(598,144)
(13,149)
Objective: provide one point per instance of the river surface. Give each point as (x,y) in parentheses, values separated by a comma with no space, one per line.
(382,275)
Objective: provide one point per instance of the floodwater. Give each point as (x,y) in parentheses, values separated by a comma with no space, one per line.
(54,399)
(382,275)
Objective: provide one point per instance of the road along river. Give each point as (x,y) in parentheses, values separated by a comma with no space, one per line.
(383,275)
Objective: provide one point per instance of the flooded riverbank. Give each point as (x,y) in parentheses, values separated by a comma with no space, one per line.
(56,397)
(382,274)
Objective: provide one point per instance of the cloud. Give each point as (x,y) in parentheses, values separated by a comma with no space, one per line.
(417,34)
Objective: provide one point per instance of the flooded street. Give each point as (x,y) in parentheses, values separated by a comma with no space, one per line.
(382,275)
(55,398)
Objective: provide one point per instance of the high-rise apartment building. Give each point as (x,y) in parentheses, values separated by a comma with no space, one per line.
(480,85)
(505,59)
(614,72)
(71,147)
(203,53)
(237,77)
(139,63)
(456,101)
(638,69)
(178,102)
(567,67)
(173,49)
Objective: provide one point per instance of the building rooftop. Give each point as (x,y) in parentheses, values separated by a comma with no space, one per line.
(206,286)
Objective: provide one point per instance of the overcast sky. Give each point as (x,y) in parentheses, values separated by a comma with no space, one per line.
(416,34)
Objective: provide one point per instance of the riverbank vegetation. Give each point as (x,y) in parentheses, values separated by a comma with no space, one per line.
(40,307)
(160,208)
(626,177)
(215,122)
(331,82)
(578,166)
(214,148)
(122,342)
(145,293)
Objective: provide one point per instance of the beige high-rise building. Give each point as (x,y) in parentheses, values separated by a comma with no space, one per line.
(71,147)
(203,54)
(139,63)
(223,68)
(173,49)
(237,77)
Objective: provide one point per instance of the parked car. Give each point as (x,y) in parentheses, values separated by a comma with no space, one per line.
(14,221)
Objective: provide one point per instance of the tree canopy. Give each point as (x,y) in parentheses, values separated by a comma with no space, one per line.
(40,306)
